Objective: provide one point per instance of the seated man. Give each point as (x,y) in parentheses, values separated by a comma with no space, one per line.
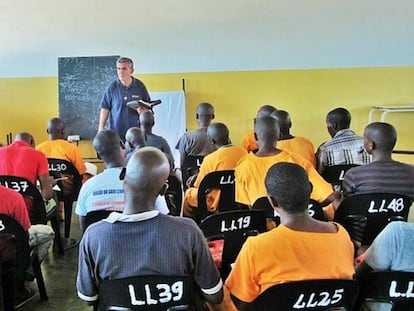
(146,120)
(249,140)
(134,139)
(391,250)
(149,241)
(383,175)
(293,144)
(251,170)
(40,239)
(345,147)
(59,148)
(300,248)
(197,142)
(104,191)
(22,160)
(224,158)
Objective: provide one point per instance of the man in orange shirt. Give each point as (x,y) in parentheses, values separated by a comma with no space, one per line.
(301,248)
(249,140)
(294,144)
(224,158)
(59,148)
(251,170)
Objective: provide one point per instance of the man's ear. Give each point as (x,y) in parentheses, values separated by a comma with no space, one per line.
(212,117)
(197,116)
(255,136)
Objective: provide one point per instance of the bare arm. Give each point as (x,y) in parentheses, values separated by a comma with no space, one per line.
(103,116)
(46,186)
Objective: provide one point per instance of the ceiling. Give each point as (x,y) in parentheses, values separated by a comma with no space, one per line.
(215,35)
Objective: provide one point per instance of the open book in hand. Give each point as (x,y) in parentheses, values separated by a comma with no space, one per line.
(140,103)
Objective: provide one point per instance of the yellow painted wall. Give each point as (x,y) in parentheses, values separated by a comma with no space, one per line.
(27,103)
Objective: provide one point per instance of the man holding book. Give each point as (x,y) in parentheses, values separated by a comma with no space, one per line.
(117,94)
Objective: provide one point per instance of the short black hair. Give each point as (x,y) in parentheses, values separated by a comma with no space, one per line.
(289,185)
(340,116)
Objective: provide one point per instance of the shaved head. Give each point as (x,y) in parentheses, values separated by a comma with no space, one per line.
(204,114)
(107,145)
(265,110)
(146,173)
(283,118)
(135,137)
(267,130)
(219,133)
(55,128)
(146,120)
(26,137)
(382,135)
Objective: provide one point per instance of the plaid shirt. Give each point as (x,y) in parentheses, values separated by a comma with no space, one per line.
(344,148)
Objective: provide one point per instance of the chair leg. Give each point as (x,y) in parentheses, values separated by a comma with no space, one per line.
(68,216)
(39,277)
(54,221)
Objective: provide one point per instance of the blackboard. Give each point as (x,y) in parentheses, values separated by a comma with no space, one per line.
(82,81)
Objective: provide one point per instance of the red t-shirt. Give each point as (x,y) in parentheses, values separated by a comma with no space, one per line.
(12,204)
(20,159)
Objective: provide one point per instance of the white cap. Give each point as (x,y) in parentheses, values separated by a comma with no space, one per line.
(91,168)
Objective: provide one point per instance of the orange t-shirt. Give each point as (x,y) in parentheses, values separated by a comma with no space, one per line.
(251,171)
(300,146)
(283,255)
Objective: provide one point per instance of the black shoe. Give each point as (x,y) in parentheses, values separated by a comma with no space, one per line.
(23,298)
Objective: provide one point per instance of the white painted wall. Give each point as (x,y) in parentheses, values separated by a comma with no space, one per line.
(214,35)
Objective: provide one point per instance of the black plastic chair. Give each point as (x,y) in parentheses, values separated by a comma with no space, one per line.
(37,212)
(7,271)
(263,204)
(335,174)
(191,165)
(395,288)
(59,168)
(95,216)
(219,180)
(233,227)
(148,293)
(174,195)
(24,255)
(364,216)
(325,294)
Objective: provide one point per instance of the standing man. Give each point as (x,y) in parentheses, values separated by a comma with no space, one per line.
(117,94)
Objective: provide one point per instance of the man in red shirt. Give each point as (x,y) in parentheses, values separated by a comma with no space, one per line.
(22,160)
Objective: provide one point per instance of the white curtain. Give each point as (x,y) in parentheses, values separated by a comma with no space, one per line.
(170,118)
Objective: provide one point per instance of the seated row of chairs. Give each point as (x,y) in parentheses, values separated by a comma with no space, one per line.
(178,293)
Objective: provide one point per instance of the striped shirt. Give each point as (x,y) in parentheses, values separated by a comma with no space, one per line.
(380,177)
(343,149)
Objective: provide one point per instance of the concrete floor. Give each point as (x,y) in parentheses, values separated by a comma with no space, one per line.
(59,273)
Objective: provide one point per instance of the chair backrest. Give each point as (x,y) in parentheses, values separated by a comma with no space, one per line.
(174,195)
(393,287)
(191,165)
(95,216)
(366,215)
(37,212)
(11,226)
(263,204)
(150,292)
(72,182)
(335,174)
(223,181)
(234,227)
(326,294)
